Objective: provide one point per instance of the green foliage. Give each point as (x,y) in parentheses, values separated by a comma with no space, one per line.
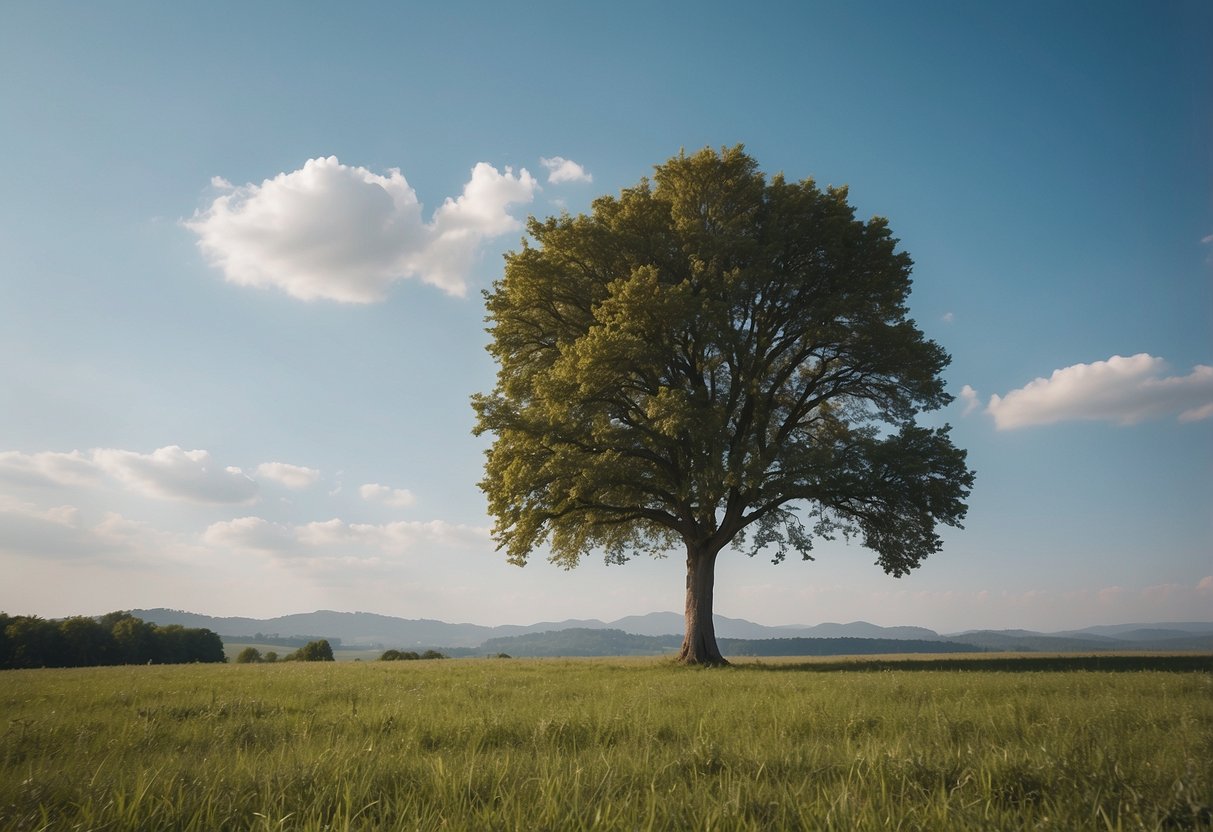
(711,355)
(313,651)
(409,655)
(608,745)
(114,638)
(249,655)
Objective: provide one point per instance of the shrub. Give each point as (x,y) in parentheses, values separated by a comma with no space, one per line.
(249,655)
(314,651)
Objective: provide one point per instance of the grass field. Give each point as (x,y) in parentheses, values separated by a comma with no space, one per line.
(607,744)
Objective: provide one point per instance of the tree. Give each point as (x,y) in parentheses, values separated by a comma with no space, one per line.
(136,639)
(711,359)
(88,642)
(314,651)
(249,655)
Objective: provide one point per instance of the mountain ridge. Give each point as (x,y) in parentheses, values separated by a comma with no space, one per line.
(375,630)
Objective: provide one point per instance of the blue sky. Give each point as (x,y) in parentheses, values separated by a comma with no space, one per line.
(243,250)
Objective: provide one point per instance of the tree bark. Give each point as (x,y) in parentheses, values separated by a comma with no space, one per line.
(699,642)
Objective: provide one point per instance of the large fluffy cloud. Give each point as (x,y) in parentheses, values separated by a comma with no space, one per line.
(1121,390)
(335,232)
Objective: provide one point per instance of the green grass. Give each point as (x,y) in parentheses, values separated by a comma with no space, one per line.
(605,744)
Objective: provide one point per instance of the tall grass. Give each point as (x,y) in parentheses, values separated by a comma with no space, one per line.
(611,744)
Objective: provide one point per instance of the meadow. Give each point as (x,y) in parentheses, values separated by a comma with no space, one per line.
(483,744)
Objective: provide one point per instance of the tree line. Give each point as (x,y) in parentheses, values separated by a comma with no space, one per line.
(313,651)
(112,639)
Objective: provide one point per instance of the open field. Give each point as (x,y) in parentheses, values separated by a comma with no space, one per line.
(609,744)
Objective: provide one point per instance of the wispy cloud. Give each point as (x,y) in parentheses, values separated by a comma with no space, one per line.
(177,474)
(337,232)
(373,492)
(971,401)
(292,476)
(1120,390)
(47,468)
(169,473)
(337,538)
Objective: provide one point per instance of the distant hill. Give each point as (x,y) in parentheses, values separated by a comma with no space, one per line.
(1162,638)
(367,630)
(370,629)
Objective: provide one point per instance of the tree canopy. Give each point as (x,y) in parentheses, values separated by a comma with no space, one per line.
(714,358)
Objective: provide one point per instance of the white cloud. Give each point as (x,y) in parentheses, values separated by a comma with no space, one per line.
(166,473)
(373,492)
(292,476)
(969,396)
(561,169)
(59,515)
(250,534)
(390,537)
(948,317)
(47,468)
(1120,390)
(335,232)
(177,474)
(337,538)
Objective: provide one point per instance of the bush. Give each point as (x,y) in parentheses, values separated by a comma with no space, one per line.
(399,656)
(249,655)
(313,651)
(410,655)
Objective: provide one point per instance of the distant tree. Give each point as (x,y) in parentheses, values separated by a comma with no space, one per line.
(135,640)
(708,358)
(203,645)
(172,645)
(249,655)
(315,651)
(36,642)
(114,638)
(88,642)
(6,652)
(432,654)
(270,657)
(390,656)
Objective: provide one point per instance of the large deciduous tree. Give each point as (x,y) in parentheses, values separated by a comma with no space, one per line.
(714,358)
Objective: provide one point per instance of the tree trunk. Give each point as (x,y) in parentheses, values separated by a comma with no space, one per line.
(699,643)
